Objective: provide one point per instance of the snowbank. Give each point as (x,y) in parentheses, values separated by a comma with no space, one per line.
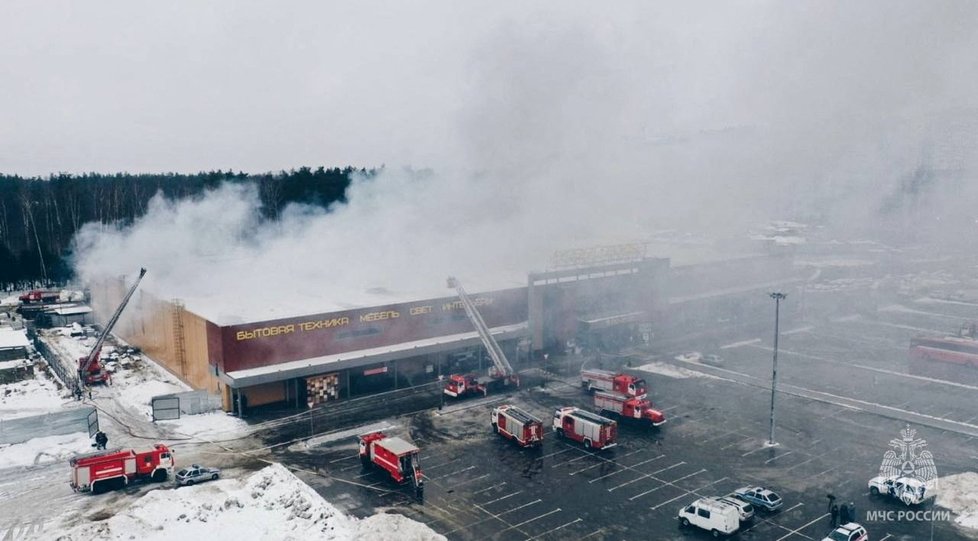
(138,395)
(959,494)
(29,397)
(671,371)
(44,450)
(270,504)
(213,426)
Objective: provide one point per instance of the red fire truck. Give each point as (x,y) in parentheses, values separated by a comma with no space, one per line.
(626,407)
(594,431)
(604,380)
(395,456)
(40,296)
(461,385)
(517,425)
(91,369)
(114,469)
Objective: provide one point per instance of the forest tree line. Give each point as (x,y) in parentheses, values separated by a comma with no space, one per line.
(40,216)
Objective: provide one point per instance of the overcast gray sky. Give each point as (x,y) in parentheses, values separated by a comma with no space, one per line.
(545,124)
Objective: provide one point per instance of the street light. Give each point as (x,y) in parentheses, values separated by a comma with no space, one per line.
(778,297)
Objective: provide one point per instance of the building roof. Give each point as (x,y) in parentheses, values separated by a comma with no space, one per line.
(10,338)
(70,310)
(363,357)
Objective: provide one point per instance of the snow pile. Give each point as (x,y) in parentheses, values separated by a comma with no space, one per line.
(270,504)
(959,494)
(672,371)
(12,300)
(137,393)
(44,450)
(213,426)
(29,397)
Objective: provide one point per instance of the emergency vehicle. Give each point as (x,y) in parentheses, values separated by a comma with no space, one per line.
(604,380)
(114,469)
(625,407)
(517,425)
(395,456)
(594,431)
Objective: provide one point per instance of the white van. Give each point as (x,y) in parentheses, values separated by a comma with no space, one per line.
(717,518)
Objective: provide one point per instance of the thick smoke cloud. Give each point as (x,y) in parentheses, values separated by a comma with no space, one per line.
(544,127)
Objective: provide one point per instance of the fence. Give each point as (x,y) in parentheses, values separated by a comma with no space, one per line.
(51,424)
(67,375)
(171,406)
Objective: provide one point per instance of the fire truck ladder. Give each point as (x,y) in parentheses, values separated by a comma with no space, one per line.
(495,352)
(108,328)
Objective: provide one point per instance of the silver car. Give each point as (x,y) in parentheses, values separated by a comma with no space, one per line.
(196,474)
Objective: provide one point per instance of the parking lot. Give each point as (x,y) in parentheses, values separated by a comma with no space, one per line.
(480,486)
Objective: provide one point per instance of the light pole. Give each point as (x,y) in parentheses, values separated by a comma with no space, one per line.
(778,297)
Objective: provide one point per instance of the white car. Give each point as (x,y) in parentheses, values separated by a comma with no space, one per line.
(906,489)
(744,509)
(848,532)
(712,516)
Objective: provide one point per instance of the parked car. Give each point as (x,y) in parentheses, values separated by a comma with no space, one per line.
(712,360)
(196,474)
(848,532)
(906,489)
(710,515)
(744,509)
(760,497)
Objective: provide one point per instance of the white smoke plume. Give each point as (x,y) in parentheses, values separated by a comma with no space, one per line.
(545,127)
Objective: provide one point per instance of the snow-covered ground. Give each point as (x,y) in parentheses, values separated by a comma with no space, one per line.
(270,504)
(212,426)
(671,371)
(44,450)
(29,397)
(959,494)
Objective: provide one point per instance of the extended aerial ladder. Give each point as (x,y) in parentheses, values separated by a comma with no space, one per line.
(86,364)
(501,367)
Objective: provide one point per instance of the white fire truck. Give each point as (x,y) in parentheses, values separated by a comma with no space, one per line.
(517,425)
(594,431)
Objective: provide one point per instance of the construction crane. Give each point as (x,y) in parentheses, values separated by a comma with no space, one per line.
(89,369)
(461,385)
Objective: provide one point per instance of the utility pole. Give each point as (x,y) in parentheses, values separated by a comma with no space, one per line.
(778,297)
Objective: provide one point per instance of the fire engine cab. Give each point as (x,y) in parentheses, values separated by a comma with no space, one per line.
(114,469)
(625,407)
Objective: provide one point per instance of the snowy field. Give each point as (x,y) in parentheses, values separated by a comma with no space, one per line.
(46,450)
(959,494)
(29,397)
(270,504)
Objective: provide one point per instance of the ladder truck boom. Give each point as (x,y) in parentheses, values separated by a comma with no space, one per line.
(499,359)
(97,348)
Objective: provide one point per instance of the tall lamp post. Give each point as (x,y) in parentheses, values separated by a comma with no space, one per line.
(778,297)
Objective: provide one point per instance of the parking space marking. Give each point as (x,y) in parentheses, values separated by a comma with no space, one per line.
(736,444)
(772,459)
(725,434)
(796,531)
(669,483)
(453,473)
(557,510)
(427,467)
(756,450)
(351,457)
(552,530)
(591,467)
(720,480)
(795,506)
(801,463)
(534,502)
(654,507)
(488,488)
(626,468)
(592,534)
(887,537)
(504,497)
(612,489)
(670,408)
(557,453)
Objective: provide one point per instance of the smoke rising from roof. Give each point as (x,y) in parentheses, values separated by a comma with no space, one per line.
(544,127)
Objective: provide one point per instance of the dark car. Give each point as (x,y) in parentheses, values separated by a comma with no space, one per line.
(196,474)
